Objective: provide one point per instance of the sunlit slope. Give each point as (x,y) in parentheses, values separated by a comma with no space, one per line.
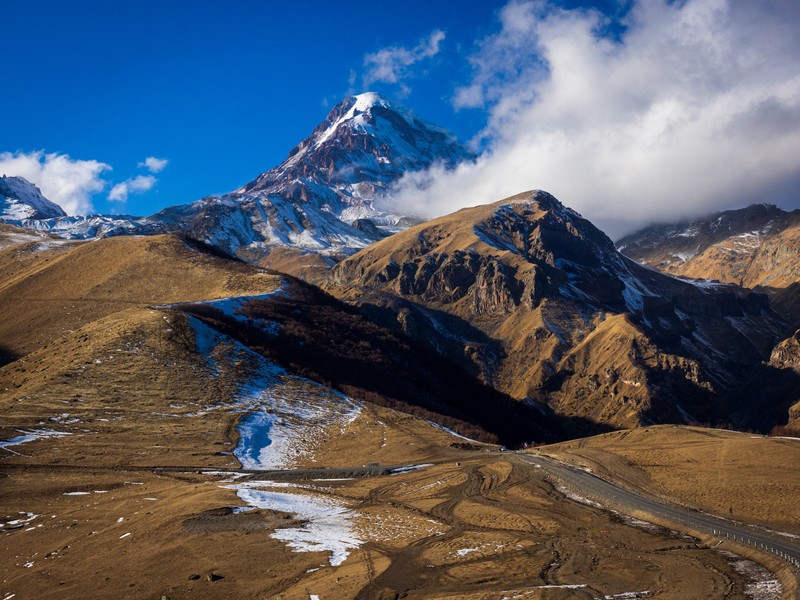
(754,246)
(131,388)
(48,292)
(757,477)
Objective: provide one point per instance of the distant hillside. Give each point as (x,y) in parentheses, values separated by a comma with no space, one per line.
(754,246)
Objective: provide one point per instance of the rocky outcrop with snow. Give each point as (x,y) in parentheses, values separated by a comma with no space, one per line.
(21,201)
(754,246)
(22,204)
(539,303)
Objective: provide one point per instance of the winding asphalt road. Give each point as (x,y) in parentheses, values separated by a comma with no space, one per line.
(590,485)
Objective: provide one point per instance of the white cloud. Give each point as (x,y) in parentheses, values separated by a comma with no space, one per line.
(67,182)
(393,64)
(153,164)
(136,185)
(696,108)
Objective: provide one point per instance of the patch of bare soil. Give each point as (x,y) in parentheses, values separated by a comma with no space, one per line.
(471,525)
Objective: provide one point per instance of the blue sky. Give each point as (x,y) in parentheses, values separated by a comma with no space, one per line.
(224,91)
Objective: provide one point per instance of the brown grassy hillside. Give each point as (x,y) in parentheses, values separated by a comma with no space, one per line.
(758,477)
(50,291)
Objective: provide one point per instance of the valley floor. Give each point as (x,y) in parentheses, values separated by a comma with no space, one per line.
(113,511)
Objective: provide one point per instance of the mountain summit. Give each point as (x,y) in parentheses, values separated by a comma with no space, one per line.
(364,144)
(325,197)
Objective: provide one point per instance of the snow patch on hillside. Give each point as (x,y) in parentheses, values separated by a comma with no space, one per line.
(453,433)
(292,418)
(284,417)
(233,307)
(327,523)
(763,585)
(30,436)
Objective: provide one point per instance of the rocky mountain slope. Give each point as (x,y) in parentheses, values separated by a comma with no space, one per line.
(20,201)
(754,246)
(325,198)
(538,302)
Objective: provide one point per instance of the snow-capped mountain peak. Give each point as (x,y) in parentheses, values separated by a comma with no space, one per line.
(364,139)
(326,196)
(354,117)
(20,200)
(368,100)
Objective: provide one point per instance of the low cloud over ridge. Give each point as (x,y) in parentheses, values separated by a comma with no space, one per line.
(695,108)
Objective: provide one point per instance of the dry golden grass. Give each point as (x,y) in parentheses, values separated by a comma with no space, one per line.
(308,266)
(758,477)
(48,293)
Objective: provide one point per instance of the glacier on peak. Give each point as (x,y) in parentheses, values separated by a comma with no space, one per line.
(326,196)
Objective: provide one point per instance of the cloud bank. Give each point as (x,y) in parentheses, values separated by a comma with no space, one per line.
(67,182)
(394,63)
(695,108)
